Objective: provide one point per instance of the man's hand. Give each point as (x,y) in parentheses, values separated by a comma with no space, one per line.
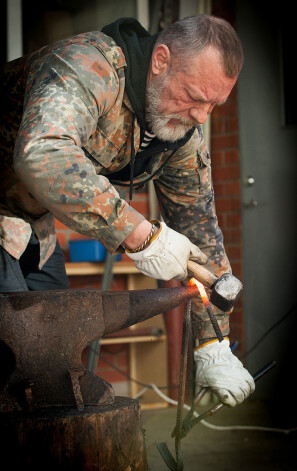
(167,255)
(220,370)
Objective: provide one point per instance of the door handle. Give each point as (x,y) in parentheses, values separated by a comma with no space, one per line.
(251,204)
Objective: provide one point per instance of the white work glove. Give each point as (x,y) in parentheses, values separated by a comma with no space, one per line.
(220,370)
(166,257)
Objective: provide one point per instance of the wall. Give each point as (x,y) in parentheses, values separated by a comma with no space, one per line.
(226,179)
(225,156)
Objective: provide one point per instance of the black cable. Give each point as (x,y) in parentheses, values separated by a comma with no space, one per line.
(132,160)
(133,379)
(276,324)
(140,383)
(138,185)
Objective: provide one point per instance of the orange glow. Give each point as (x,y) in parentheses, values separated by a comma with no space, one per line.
(202,291)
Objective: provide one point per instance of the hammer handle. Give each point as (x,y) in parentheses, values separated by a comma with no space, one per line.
(201,274)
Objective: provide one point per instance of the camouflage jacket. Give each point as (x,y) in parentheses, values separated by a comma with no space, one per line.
(66,127)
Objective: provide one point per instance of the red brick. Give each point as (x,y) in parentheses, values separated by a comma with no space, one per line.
(236,316)
(219,189)
(222,188)
(60,225)
(141,206)
(225,173)
(85,282)
(218,126)
(119,283)
(234,253)
(113,376)
(227,141)
(217,159)
(232,156)
(228,109)
(227,204)
(237,269)
(123,359)
(232,188)
(222,220)
(231,124)
(233,220)
(232,236)
(103,365)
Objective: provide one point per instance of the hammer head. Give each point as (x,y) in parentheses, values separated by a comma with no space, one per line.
(225,292)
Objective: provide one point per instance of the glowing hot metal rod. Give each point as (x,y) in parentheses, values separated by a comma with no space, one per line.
(208,307)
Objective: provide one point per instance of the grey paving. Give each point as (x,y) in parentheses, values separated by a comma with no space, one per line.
(228,450)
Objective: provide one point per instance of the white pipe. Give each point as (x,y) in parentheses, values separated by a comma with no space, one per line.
(142,13)
(14,29)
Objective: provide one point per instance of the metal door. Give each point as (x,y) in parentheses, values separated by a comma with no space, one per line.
(268,150)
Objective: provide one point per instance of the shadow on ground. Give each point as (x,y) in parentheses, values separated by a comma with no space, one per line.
(206,449)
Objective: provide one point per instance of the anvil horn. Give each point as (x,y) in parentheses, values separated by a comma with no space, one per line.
(43,335)
(131,307)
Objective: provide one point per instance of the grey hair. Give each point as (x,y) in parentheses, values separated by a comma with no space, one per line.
(189,36)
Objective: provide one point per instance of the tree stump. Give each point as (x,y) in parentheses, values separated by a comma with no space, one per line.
(105,438)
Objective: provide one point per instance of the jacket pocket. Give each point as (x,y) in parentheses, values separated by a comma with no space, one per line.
(101,149)
(204,171)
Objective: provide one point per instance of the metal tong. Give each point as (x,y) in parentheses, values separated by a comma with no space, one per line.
(188,423)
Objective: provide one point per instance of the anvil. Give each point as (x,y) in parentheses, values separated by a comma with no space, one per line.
(43,335)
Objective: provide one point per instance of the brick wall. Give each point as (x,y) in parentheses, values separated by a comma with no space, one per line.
(226,178)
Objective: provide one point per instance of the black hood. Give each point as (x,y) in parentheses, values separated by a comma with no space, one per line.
(137,45)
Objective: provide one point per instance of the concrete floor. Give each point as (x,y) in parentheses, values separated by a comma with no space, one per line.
(230,450)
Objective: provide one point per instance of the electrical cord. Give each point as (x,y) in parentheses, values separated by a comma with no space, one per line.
(268,331)
(157,389)
(222,428)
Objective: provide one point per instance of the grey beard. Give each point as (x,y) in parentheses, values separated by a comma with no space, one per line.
(157,123)
(159,127)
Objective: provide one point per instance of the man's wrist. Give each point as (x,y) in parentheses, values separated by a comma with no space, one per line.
(141,237)
(146,241)
(138,236)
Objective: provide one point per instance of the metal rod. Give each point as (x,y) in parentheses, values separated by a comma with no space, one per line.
(182,384)
(219,406)
(214,322)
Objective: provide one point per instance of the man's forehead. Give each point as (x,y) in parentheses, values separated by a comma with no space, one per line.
(214,92)
(205,76)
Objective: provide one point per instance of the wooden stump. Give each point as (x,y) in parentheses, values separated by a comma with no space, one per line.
(105,438)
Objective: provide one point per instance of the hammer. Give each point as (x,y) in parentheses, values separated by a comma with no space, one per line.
(224,290)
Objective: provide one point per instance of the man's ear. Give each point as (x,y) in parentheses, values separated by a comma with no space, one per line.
(160,61)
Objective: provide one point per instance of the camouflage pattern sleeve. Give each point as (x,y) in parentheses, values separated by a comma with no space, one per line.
(68,90)
(186,197)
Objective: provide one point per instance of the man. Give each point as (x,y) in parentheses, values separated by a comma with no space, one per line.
(120,107)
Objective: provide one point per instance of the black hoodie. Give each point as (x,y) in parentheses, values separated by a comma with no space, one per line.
(137,45)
